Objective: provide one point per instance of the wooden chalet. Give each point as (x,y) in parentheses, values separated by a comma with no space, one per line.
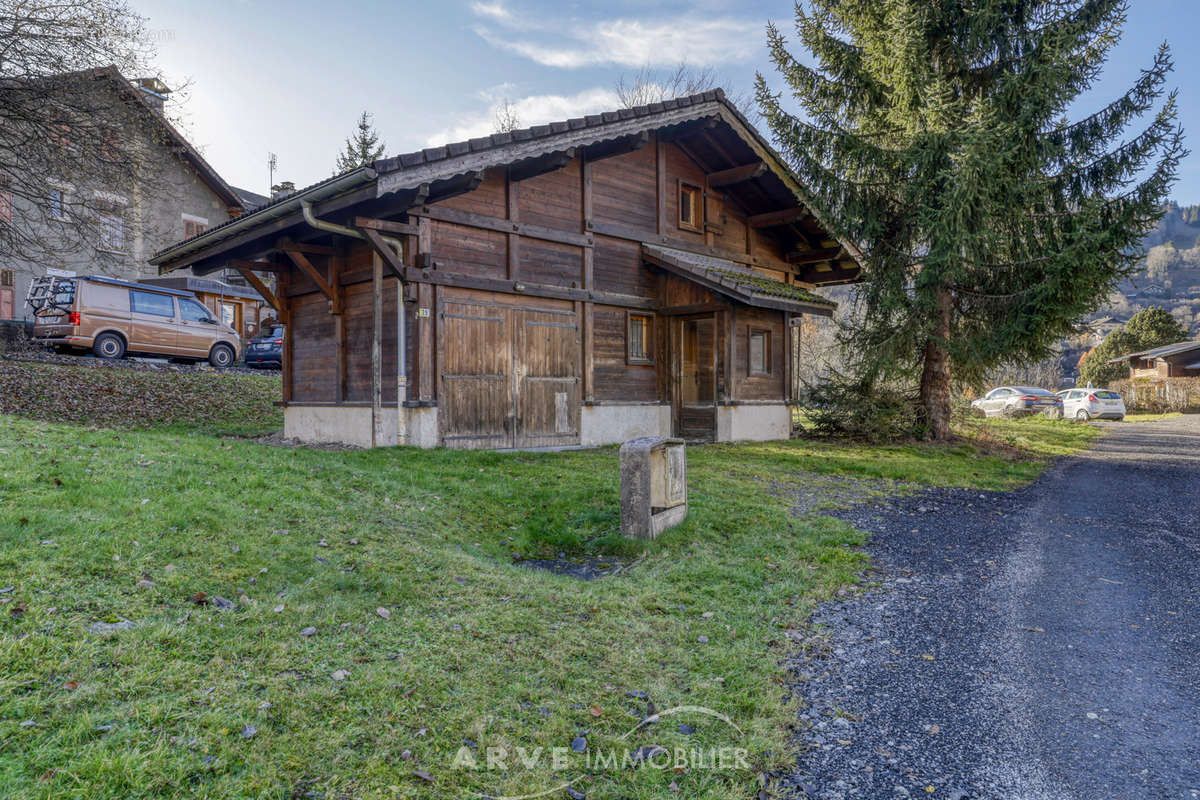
(1179,360)
(638,272)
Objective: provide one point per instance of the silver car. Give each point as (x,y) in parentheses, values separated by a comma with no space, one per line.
(1089,403)
(1018,401)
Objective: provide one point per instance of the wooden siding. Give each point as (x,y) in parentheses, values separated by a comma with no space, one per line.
(617,380)
(758,387)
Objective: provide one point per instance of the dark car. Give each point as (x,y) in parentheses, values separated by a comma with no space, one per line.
(265,351)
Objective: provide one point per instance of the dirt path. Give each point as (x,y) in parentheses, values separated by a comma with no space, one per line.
(1037,644)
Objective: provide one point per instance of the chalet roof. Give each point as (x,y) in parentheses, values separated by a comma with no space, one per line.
(1161,352)
(429,168)
(738,282)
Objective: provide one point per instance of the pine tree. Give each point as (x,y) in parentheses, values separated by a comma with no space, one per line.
(362,149)
(934,137)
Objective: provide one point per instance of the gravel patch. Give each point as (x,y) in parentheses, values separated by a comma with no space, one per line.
(1032,645)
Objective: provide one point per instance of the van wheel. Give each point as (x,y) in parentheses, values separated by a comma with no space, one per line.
(221,356)
(109,345)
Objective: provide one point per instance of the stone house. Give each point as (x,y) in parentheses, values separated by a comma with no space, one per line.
(181,197)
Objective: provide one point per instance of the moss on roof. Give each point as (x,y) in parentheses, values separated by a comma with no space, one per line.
(761,284)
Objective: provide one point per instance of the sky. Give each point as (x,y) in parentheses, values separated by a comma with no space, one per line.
(291,78)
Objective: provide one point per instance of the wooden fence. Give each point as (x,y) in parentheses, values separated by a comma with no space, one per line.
(1157,395)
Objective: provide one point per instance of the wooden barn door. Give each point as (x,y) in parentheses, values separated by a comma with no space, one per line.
(696,379)
(476,405)
(510,375)
(547,368)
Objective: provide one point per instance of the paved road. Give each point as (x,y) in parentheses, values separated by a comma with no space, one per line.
(1038,644)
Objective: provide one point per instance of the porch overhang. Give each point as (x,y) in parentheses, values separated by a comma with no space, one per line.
(737,282)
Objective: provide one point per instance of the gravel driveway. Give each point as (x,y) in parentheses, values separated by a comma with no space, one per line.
(1043,643)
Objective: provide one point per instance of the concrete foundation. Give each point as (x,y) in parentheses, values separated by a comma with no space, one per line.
(754,423)
(614,424)
(352,425)
(423,427)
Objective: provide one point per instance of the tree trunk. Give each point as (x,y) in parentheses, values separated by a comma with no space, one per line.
(935,375)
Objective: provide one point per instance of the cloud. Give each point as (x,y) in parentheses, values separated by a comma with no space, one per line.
(625,42)
(532,110)
(495,11)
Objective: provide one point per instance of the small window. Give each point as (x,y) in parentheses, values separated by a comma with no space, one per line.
(760,352)
(112,227)
(229,314)
(55,204)
(161,305)
(691,210)
(8,277)
(193,227)
(193,311)
(638,339)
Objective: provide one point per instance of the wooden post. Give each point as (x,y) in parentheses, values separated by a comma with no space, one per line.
(336,265)
(377,350)
(514,239)
(661,169)
(285,316)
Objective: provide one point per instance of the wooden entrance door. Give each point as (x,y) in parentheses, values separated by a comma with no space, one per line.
(696,364)
(510,376)
(476,401)
(547,368)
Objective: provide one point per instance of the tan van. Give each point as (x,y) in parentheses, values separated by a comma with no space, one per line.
(112,317)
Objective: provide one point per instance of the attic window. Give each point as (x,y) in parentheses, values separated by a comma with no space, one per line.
(691,208)
(194,227)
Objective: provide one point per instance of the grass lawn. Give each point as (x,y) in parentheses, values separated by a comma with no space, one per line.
(1152,417)
(100,525)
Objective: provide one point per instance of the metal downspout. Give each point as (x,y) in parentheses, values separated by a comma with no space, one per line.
(401,315)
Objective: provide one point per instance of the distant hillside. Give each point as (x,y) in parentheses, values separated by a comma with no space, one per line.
(1179,226)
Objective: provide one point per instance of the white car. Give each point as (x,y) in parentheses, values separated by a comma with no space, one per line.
(1089,403)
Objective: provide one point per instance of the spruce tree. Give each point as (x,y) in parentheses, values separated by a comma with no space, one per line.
(934,136)
(362,149)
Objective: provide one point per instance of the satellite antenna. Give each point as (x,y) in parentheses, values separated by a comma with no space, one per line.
(272,163)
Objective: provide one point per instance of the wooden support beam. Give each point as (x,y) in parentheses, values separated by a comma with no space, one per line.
(773,218)
(800,257)
(312,272)
(394,260)
(287,245)
(377,350)
(539,165)
(486,222)
(260,266)
(386,225)
(740,174)
(831,276)
(260,287)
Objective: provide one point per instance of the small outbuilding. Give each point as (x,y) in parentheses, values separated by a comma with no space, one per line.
(641,272)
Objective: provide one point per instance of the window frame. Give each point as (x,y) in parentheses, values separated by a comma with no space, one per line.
(696,225)
(57,200)
(110,216)
(183,302)
(133,293)
(197,226)
(647,339)
(751,332)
